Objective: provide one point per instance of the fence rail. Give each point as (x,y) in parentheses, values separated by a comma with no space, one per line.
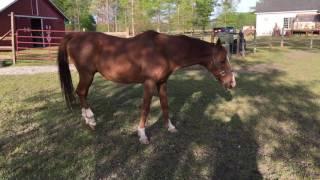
(34,44)
(42,44)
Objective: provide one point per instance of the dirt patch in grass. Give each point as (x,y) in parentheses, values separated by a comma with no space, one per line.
(27,70)
(259,68)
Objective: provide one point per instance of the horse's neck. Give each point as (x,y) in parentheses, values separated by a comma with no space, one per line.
(197,53)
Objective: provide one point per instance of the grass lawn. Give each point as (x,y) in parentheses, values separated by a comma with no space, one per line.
(268,127)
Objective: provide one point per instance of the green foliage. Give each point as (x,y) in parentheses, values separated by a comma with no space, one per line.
(203,11)
(78,13)
(236,19)
(163,15)
(87,21)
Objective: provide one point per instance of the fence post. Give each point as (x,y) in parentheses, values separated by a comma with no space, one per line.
(282,34)
(13,42)
(227,46)
(255,42)
(311,41)
(238,45)
(243,52)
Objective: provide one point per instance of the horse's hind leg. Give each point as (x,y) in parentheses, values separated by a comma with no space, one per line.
(149,87)
(85,80)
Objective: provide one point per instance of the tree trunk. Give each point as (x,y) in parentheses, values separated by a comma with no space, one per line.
(132,17)
(169,18)
(108,24)
(158,20)
(178,17)
(126,18)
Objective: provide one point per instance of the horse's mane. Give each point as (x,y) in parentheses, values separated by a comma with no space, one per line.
(146,34)
(191,44)
(152,33)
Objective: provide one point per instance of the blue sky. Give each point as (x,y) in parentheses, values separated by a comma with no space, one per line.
(244,5)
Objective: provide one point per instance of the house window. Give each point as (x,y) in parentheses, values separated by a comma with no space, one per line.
(286,23)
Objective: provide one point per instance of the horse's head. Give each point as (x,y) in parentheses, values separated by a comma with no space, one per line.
(219,65)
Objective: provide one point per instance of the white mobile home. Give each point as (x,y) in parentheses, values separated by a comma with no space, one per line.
(281,14)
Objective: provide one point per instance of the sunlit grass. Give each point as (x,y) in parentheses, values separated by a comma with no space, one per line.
(268,127)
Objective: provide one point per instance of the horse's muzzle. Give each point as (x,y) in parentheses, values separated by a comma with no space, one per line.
(229,81)
(233,83)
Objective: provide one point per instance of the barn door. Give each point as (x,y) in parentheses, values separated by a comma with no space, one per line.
(36,25)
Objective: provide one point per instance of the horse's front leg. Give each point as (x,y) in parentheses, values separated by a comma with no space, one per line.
(162,89)
(149,87)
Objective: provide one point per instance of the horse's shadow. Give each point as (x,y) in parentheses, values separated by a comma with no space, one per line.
(203,148)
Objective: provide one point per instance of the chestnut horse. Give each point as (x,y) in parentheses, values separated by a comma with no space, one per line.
(148,58)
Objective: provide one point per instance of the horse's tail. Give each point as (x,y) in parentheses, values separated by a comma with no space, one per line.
(64,72)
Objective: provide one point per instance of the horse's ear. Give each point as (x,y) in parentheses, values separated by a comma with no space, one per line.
(219,42)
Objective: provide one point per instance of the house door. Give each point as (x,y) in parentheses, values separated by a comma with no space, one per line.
(36,25)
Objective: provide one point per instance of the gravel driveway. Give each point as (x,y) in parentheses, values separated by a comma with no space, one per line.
(30,70)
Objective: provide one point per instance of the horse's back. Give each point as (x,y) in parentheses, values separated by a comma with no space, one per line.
(120,59)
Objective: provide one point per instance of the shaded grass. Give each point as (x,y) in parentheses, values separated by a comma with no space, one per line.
(266,128)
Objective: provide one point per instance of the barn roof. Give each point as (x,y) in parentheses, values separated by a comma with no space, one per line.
(4,4)
(287,5)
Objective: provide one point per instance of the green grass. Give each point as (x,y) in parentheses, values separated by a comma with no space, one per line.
(268,127)
(293,42)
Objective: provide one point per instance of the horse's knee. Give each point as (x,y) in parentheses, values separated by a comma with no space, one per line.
(81,93)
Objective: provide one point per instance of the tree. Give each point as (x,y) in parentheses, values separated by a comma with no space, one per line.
(203,12)
(78,13)
(137,15)
(88,22)
(229,16)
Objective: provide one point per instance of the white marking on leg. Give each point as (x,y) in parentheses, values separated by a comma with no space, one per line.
(233,82)
(88,116)
(142,136)
(171,127)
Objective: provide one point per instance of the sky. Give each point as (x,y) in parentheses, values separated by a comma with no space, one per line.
(245,5)
(5,3)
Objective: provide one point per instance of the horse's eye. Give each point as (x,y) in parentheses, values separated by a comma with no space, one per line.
(224,61)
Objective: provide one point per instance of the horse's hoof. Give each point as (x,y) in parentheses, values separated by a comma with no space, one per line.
(92,127)
(142,136)
(173,130)
(91,122)
(144,141)
(171,127)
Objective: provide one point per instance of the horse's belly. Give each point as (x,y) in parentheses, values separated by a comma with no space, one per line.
(124,73)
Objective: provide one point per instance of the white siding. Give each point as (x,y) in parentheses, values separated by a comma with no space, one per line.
(266,21)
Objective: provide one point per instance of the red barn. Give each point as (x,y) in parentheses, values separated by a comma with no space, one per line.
(30,14)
